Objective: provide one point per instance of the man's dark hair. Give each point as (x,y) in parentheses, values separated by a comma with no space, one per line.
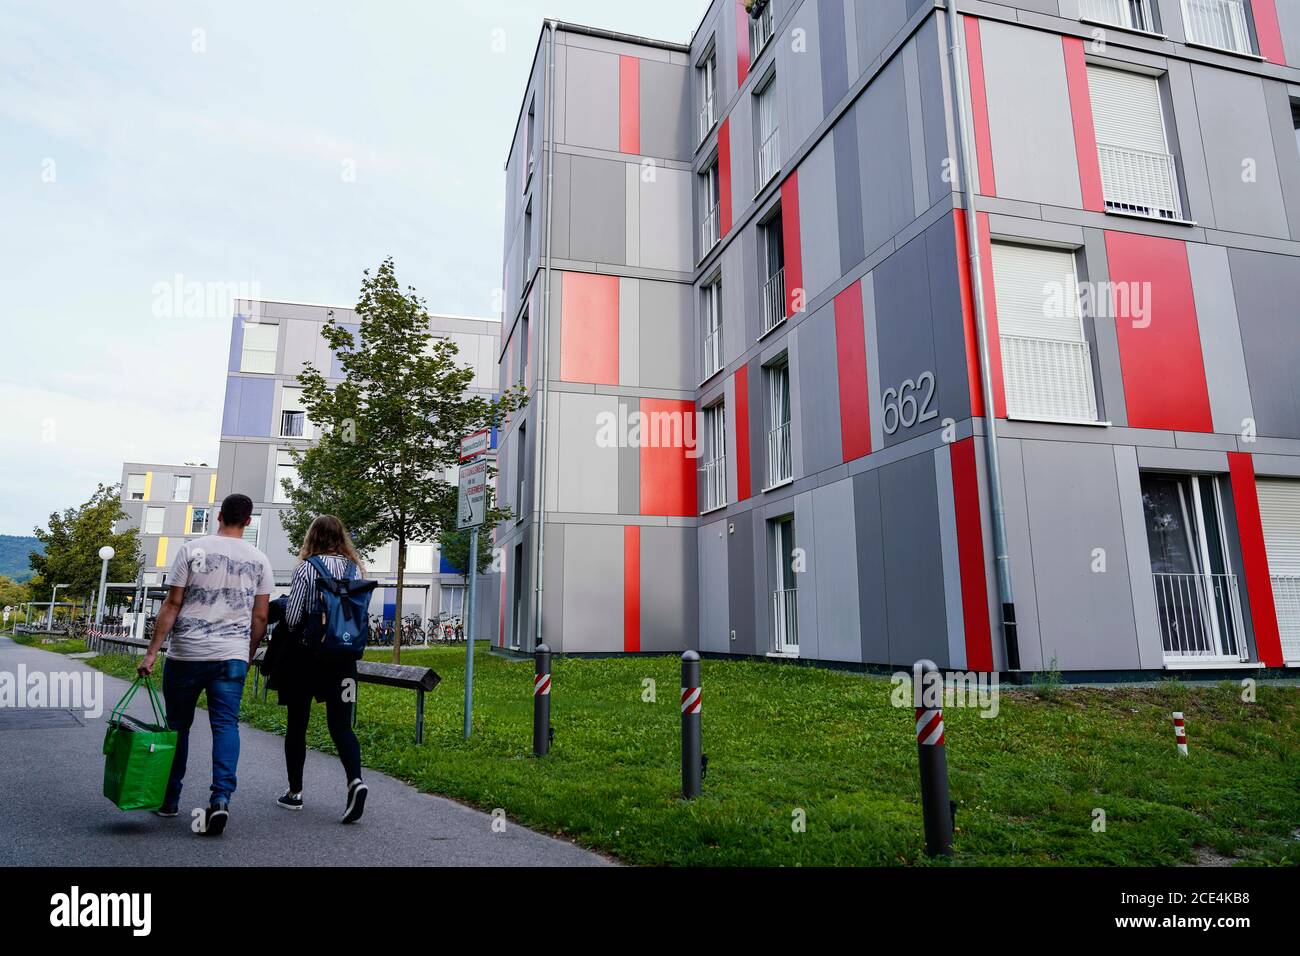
(235,510)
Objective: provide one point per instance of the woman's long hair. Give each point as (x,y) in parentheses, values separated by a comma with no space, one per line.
(328,536)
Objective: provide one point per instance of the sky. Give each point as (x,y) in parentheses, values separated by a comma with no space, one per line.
(274,149)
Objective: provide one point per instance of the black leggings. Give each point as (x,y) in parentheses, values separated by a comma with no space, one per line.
(338,715)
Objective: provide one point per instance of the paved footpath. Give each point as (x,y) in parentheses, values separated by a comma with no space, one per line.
(52,811)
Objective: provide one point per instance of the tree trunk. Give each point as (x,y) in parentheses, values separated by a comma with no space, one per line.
(397,615)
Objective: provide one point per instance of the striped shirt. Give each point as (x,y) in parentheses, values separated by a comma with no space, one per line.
(302,594)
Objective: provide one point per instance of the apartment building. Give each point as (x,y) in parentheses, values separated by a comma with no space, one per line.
(169,504)
(264,418)
(856,255)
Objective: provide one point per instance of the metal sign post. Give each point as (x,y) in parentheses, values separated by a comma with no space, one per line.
(471,508)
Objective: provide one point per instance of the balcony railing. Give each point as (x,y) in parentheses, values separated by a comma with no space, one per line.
(1200,615)
(1286,598)
(1048,378)
(712,351)
(785,621)
(1129,14)
(1218,23)
(707,117)
(715,483)
(1139,182)
(780,463)
(760,29)
(709,234)
(774,301)
(769,160)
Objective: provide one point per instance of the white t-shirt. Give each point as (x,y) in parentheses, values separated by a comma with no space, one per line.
(221,576)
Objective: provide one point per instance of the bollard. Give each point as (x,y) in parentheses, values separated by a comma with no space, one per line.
(936,808)
(692,758)
(542,701)
(1180,733)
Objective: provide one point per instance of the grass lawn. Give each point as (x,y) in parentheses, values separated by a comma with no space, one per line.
(58,644)
(783,738)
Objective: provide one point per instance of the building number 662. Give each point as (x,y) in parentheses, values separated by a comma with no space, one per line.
(901,406)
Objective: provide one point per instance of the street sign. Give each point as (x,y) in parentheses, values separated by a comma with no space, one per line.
(471,502)
(476,444)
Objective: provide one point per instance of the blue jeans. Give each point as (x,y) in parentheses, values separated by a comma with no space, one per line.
(183,681)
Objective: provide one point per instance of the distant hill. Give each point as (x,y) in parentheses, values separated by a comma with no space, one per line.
(14,550)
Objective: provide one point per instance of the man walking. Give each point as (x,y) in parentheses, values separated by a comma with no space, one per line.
(216,614)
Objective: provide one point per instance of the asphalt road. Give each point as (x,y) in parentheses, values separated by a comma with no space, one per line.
(52,811)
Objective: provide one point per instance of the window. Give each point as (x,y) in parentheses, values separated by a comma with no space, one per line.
(530,127)
(715,456)
(285,470)
(769,140)
(785,603)
(1279,511)
(419,558)
(253,530)
(451,601)
(1046,361)
(712,326)
(153,520)
(780,461)
(1218,23)
(1295,122)
(293,414)
(711,194)
(708,73)
(523,348)
(135,487)
(181,487)
(1129,14)
(517,621)
(528,243)
(1137,170)
(521,468)
(1198,602)
(380,560)
(760,26)
(771,249)
(260,344)
(199,521)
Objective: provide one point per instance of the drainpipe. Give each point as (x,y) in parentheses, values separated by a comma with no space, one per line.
(544,349)
(1002,566)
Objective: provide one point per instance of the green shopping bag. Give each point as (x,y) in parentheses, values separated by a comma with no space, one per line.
(137,755)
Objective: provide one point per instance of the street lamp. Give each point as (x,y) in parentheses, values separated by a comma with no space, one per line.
(54,596)
(106,554)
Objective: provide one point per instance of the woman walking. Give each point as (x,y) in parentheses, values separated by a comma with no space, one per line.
(303,672)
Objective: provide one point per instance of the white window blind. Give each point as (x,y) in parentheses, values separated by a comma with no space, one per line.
(153,520)
(1046,361)
(1126,109)
(260,343)
(1037,292)
(1279,512)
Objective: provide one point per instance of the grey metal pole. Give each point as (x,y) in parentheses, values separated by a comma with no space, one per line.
(541,701)
(936,806)
(103,586)
(469,631)
(692,745)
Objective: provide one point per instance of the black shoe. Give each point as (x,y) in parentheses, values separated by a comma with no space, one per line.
(291,800)
(356,801)
(218,816)
(166,811)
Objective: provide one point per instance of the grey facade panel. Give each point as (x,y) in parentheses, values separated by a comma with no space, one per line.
(597,211)
(918,624)
(669,582)
(742,586)
(1267,287)
(818,405)
(872,609)
(848,196)
(1086,616)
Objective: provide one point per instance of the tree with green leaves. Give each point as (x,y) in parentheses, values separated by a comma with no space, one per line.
(13,593)
(390,431)
(72,542)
